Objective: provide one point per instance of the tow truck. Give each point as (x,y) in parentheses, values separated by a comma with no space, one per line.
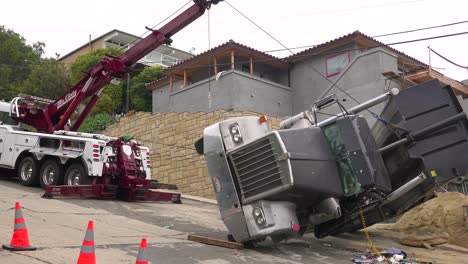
(339,174)
(69,163)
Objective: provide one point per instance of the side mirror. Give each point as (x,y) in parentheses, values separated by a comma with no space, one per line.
(199,146)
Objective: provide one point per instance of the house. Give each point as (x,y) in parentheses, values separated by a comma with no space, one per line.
(163,55)
(239,78)
(235,77)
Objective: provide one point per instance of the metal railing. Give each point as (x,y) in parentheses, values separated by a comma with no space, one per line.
(154,57)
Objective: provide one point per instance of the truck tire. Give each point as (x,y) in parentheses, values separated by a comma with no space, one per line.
(76,175)
(51,173)
(28,171)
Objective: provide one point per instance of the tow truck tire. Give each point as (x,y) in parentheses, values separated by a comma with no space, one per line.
(76,175)
(51,173)
(28,171)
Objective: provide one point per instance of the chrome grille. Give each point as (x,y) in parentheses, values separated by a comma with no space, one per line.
(258,168)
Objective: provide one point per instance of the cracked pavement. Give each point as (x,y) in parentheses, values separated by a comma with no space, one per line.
(57,228)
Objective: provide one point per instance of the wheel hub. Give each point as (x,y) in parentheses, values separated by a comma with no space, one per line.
(74,178)
(26,171)
(49,175)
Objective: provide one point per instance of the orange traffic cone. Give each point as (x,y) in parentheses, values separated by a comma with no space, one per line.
(142,258)
(20,239)
(87,255)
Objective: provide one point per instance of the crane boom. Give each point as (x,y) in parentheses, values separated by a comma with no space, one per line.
(54,116)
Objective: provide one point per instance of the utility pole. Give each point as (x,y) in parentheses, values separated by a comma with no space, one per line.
(127,97)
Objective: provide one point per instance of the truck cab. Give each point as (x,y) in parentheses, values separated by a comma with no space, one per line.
(5,118)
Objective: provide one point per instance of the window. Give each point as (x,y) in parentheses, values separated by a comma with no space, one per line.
(335,64)
(73,145)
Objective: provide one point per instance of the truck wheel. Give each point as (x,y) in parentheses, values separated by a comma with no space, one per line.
(51,173)
(28,170)
(76,175)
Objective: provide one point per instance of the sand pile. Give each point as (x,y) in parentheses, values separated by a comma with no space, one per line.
(439,217)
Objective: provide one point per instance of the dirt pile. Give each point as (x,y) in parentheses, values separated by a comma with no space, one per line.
(439,217)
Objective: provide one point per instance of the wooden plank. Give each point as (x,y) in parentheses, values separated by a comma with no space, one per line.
(232,59)
(251,65)
(215,242)
(171,83)
(215,61)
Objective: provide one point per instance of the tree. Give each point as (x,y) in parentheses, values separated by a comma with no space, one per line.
(140,96)
(16,58)
(84,63)
(96,123)
(48,79)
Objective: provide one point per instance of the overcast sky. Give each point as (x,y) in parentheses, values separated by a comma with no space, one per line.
(66,25)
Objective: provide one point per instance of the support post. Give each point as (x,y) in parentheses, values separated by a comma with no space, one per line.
(171,82)
(215,62)
(127,95)
(232,59)
(430,66)
(251,65)
(185,78)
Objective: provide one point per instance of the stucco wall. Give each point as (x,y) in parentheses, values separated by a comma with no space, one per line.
(362,80)
(234,90)
(171,138)
(98,44)
(464,104)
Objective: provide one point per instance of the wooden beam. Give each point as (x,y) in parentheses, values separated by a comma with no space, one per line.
(215,62)
(185,78)
(251,65)
(215,242)
(171,83)
(232,59)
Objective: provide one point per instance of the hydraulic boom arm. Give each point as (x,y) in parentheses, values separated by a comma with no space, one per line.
(55,116)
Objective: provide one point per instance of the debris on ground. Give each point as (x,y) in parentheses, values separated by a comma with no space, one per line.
(391,255)
(435,222)
(215,242)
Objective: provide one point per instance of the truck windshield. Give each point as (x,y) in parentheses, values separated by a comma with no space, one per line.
(6,119)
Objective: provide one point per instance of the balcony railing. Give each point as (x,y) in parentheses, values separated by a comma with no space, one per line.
(153,58)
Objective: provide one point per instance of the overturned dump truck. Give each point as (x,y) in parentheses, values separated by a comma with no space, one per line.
(333,176)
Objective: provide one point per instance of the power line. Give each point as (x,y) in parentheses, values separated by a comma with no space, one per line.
(450,61)
(382,35)
(297,55)
(313,68)
(375,46)
(420,29)
(264,31)
(162,21)
(328,52)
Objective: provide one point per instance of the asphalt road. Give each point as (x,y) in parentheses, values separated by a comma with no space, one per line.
(57,228)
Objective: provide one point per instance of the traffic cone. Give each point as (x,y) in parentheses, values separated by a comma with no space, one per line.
(142,258)
(20,239)
(87,255)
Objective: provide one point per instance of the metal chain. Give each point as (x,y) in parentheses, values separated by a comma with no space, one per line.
(371,244)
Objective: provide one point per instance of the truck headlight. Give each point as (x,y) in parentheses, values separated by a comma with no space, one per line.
(237,138)
(235,133)
(259,216)
(260,221)
(257,212)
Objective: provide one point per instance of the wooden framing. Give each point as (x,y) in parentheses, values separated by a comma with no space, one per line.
(215,242)
(251,65)
(215,62)
(232,60)
(171,82)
